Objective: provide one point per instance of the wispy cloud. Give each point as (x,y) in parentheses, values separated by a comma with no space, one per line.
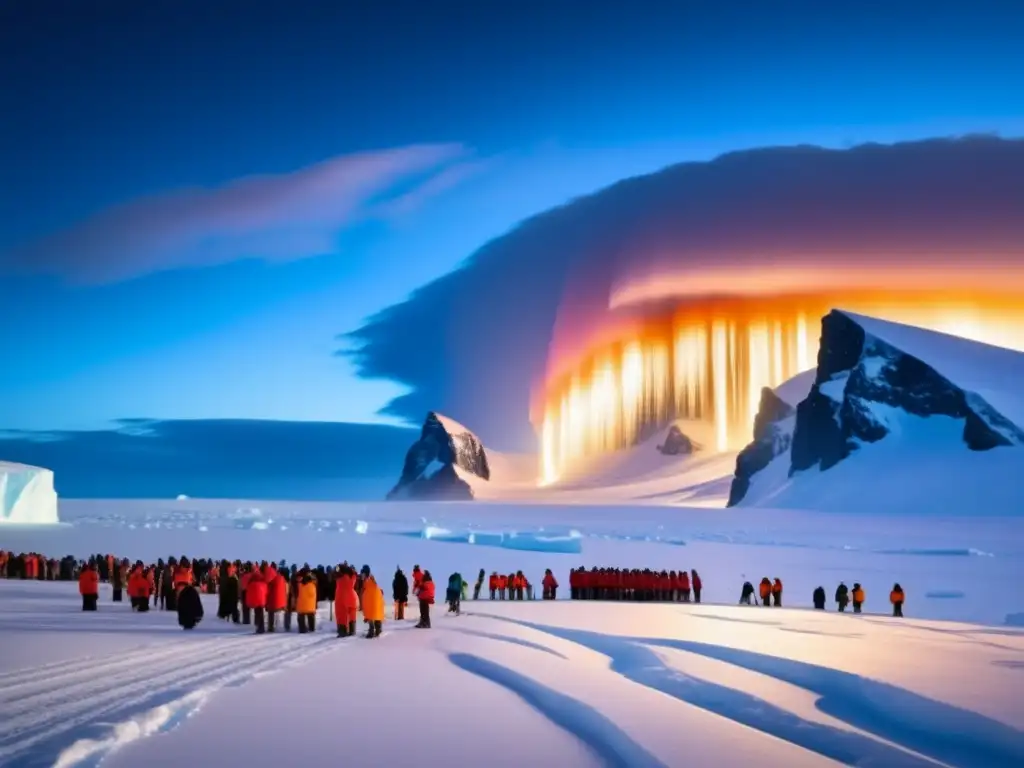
(273,217)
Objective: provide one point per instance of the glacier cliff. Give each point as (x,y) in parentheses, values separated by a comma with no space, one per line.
(27,494)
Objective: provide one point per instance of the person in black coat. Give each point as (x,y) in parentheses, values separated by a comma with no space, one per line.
(400,593)
(746,593)
(842,596)
(227,598)
(819,599)
(190,607)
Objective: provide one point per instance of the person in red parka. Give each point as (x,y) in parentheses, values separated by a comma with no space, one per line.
(256,598)
(277,595)
(548,585)
(346,601)
(684,586)
(426,597)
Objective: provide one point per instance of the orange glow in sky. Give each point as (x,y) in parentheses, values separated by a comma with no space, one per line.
(707,358)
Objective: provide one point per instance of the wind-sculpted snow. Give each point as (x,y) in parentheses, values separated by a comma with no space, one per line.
(69,712)
(27,495)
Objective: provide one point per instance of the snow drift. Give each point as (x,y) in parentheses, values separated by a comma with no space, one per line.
(27,494)
(896,417)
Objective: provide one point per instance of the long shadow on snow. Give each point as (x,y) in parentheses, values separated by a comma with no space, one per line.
(819,632)
(507,639)
(731,620)
(942,731)
(1008,664)
(966,636)
(605,739)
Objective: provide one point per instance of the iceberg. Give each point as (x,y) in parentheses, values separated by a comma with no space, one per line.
(571,543)
(27,495)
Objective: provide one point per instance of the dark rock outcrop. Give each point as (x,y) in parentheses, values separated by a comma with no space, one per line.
(857,372)
(773,430)
(429,470)
(676,443)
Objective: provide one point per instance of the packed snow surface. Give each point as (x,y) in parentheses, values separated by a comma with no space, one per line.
(27,495)
(506,684)
(533,682)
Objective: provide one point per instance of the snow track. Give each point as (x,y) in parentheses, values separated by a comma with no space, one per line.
(49,708)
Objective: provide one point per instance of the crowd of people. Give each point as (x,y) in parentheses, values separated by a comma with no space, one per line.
(640,585)
(771,596)
(263,593)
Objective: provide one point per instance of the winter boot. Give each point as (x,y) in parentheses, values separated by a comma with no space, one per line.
(342,630)
(352,628)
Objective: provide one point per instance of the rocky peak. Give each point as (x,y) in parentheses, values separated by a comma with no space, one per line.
(856,374)
(430,465)
(773,429)
(676,443)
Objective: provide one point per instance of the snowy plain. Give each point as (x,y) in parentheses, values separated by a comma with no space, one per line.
(507,684)
(564,683)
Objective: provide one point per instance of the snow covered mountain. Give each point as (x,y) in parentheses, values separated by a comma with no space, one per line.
(26,494)
(434,464)
(897,418)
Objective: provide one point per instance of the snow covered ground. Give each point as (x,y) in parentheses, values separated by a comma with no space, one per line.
(566,683)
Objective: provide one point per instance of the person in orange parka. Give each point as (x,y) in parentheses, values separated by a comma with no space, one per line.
(896,597)
(373,604)
(138,589)
(548,585)
(277,595)
(89,587)
(777,592)
(305,601)
(119,579)
(502,585)
(256,598)
(182,576)
(346,601)
(417,577)
(765,591)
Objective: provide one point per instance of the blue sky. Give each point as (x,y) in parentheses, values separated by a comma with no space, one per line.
(198,198)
